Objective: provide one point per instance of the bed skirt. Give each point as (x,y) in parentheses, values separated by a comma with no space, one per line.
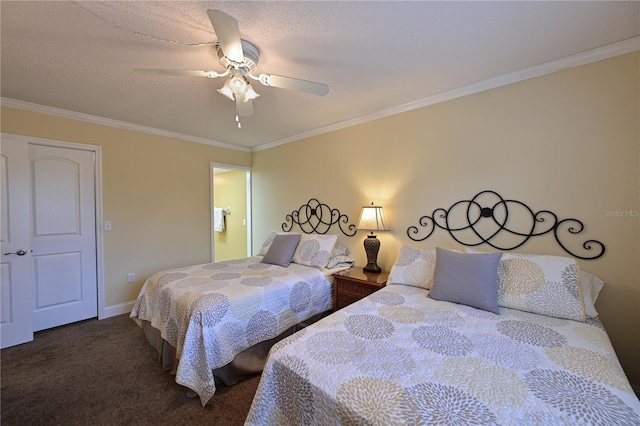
(250,361)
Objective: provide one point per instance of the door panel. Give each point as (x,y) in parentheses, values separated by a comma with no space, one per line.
(63,235)
(16,294)
(57,279)
(55,184)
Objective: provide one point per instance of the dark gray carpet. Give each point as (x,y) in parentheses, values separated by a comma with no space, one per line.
(105,373)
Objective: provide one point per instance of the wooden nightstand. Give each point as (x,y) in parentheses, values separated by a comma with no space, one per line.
(353,284)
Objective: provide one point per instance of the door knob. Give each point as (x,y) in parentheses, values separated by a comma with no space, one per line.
(20,252)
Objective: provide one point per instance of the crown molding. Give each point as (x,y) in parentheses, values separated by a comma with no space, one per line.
(57,112)
(578,59)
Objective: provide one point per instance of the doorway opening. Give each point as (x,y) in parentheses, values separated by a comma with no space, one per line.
(230,212)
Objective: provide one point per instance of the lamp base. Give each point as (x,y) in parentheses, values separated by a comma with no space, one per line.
(373,268)
(371,247)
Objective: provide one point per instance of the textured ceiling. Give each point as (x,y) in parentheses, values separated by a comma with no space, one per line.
(81,56)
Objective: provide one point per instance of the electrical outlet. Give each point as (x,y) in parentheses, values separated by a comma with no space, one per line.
(131,277)
(107,225)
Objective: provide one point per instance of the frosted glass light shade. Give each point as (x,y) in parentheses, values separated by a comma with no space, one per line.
(226,91)
(250,93)
(238,84)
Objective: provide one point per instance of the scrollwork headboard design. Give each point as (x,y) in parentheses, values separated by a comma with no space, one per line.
(315,217)
(489,206)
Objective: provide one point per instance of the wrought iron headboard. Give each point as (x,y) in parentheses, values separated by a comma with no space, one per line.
(542,222)
(315,217)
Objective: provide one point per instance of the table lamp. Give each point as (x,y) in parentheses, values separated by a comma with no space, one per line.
(372,219)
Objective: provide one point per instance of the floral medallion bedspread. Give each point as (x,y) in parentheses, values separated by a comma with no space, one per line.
(398,357)
(209,313)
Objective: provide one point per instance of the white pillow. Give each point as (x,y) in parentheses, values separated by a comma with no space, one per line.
(340,262)
(591,286)
(413,267)
(340,256)
(267,243)
(541,284)
(314,250)
(340,250)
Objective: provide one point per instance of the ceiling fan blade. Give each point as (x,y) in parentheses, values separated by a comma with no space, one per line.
(311,87)
(189,73)
(228,33)
(245,109)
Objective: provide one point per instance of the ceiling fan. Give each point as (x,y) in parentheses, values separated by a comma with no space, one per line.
(240,60)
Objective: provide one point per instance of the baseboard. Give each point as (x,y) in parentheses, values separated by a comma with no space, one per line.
(112,311)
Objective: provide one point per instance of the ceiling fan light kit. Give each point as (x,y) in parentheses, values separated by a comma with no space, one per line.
(240,60)
(226,91)
(250,94)
(234,86)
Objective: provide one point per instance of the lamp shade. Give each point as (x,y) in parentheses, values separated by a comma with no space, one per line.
(372,219)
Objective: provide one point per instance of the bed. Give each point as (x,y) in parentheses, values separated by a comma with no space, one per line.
(216,322)
(456,337)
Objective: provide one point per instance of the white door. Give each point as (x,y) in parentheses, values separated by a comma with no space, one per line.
(16,294)
(63,235)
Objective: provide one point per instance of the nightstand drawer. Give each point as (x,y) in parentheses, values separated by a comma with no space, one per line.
(353,284)
(345,300)
(356,290)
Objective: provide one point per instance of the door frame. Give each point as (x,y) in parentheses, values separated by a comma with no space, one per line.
(97,151)
(234,167)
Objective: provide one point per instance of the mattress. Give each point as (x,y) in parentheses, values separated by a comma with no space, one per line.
(399,357)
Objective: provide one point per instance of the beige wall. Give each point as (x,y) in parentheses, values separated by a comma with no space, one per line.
(230,190)
(568,142)
(155,190)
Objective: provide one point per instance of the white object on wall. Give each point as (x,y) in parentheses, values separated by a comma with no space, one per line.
(218,219)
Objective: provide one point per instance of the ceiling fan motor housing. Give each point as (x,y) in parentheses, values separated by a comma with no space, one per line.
(251,57)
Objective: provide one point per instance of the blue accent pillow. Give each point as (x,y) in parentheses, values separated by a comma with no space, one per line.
(282,249)
(467,279)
